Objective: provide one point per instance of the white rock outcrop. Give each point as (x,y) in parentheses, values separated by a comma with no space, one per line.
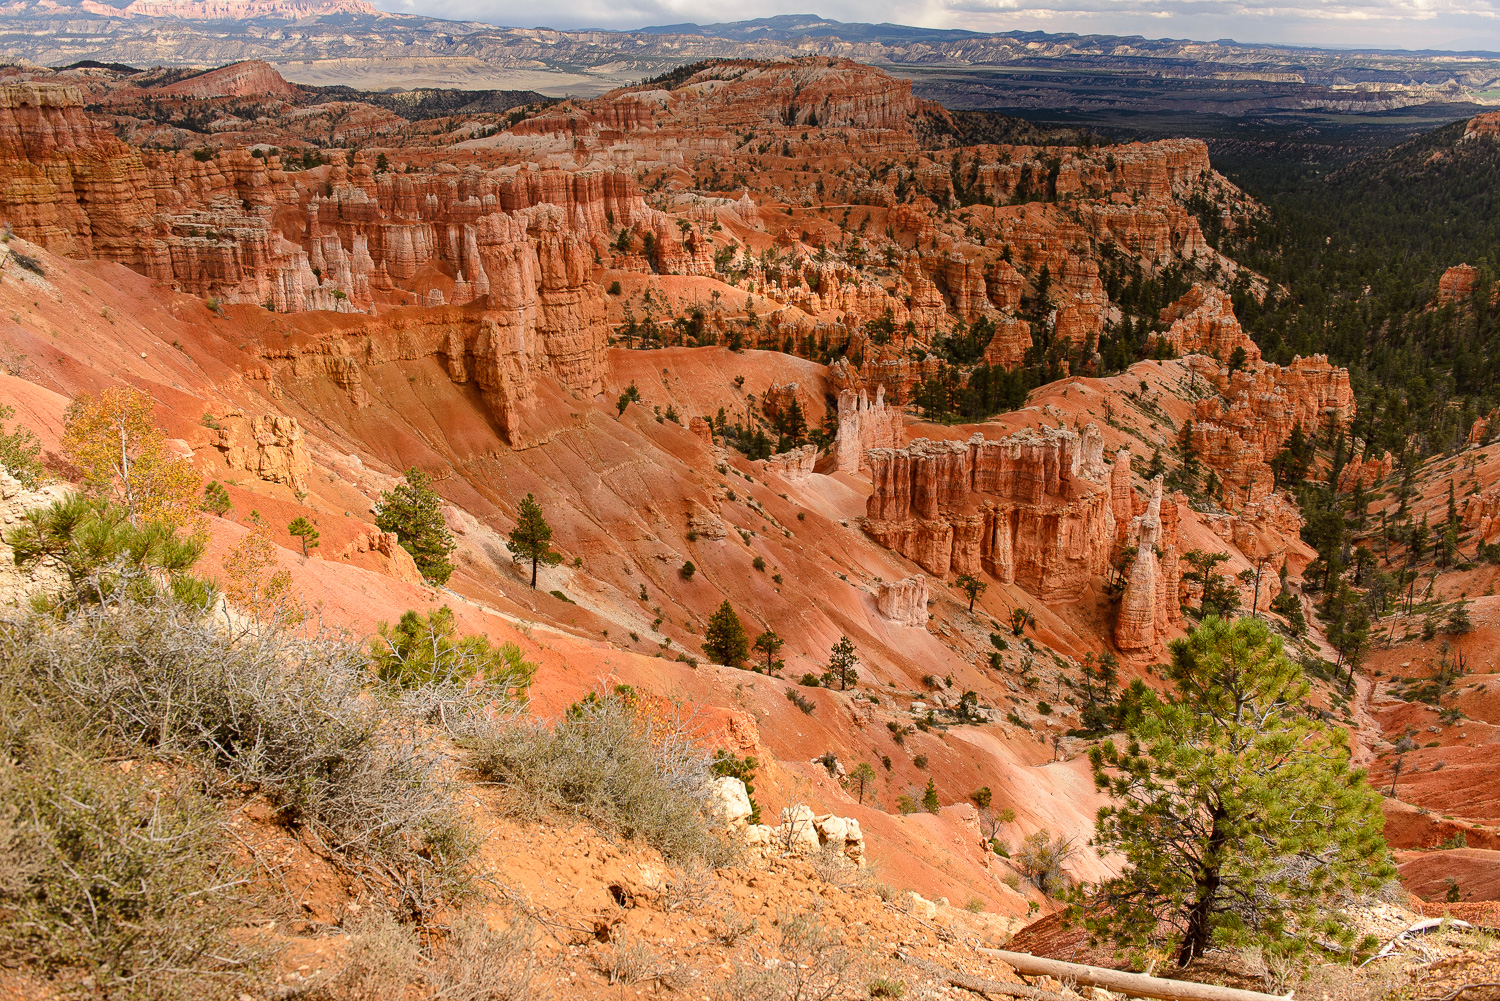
(18,585)
(729,802)
(801,832)
(904,602)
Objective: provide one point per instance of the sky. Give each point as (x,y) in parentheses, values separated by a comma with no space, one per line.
(1410,24)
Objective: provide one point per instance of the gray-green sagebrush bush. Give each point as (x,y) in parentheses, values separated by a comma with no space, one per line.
(114,886)
(632,771)
(130,717)
(280,713)
(114,882)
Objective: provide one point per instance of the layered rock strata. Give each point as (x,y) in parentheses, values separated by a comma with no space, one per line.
(1238,432)
(795,464)
(558,331)
(1365,472)
(270,446)
(1457,284)
(1482,512)
(1033,509)
(1203,322)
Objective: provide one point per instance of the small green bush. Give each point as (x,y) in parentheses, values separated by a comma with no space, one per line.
(104,557)
(801,701)
(442,676)
(20,451)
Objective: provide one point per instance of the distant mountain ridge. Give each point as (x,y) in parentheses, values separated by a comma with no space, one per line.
(791,27)
(349,42)
(229,10)
(788,27)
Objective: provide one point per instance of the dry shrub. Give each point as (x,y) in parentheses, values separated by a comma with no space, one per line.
(752,983)
(691,888)
(1276,971)
(628,961)
(474,962)
(632,773)
(382,959)
(1041,857)
(478,963)
(282,714)
(835,868)
(118,880)
(1331,982)
(815,965)
(733,926)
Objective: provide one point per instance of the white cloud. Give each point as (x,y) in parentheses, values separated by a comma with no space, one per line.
(1463,24)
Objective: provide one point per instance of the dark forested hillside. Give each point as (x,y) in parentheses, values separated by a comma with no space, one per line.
(1355,255)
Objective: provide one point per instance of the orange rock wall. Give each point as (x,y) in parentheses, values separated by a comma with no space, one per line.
(1240,431)
(1033,509)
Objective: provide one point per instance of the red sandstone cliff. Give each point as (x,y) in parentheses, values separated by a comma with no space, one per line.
(251,78)
(1457,284)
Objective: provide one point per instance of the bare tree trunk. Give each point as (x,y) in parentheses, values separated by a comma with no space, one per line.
(1199,934)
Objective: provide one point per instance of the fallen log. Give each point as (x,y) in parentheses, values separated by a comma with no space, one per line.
(1134,984)
(979,985)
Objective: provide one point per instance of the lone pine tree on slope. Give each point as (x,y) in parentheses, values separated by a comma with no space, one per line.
(414,511)
(531,539)
(1236,810)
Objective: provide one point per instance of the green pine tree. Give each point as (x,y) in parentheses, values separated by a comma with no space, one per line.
(414,511)
(531,539)
(215,499)
(426,650)
(972,587)
(929,797)
(631,395)
(724,640)
(842,664)
(861,778)
(769,643)
(303,529)
(1237,814)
